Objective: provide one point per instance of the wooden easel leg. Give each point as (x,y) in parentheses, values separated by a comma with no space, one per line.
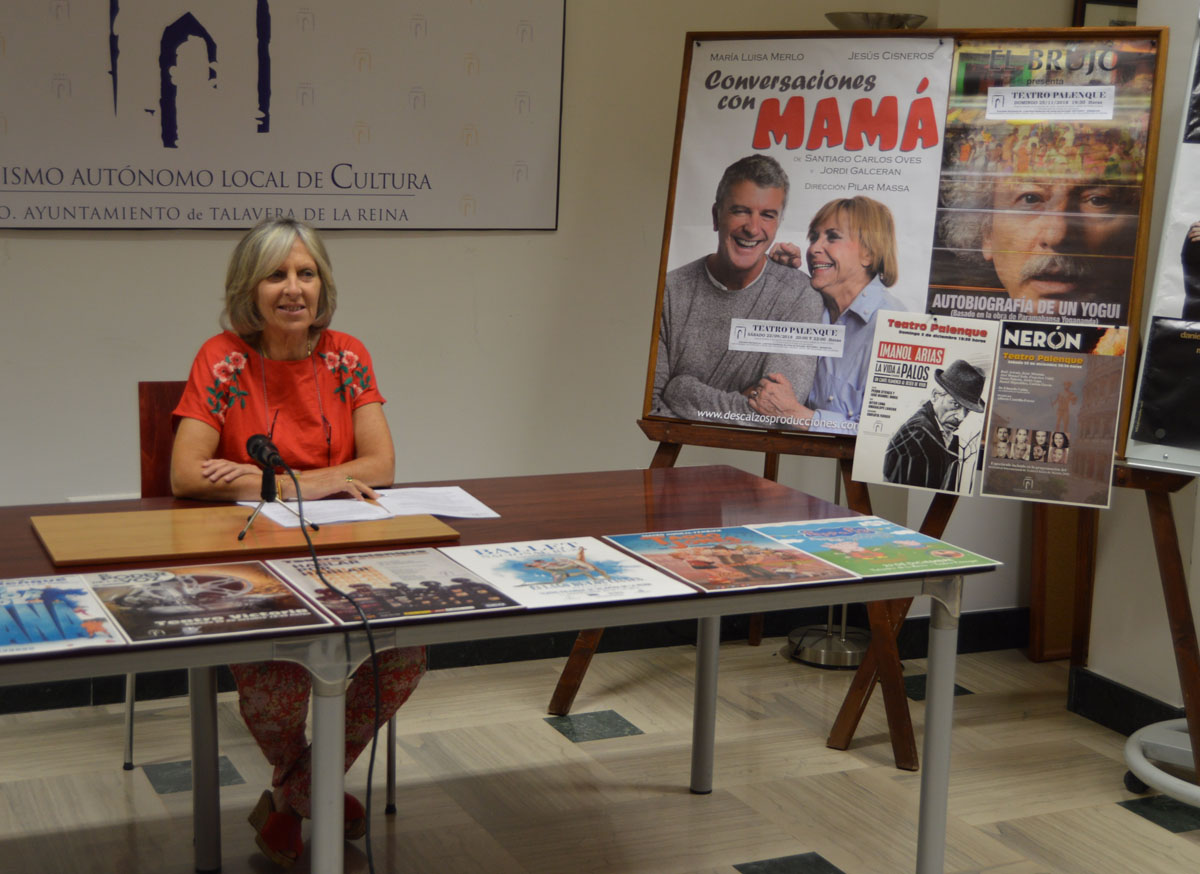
(881,662)
(665,455)
(754,635)
(1179,612)
(572,674)
(586,642)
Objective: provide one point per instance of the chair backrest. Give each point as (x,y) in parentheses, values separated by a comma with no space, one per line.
(156,400)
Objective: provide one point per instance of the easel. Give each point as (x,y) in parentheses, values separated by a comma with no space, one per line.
(1158,486)
(881,662)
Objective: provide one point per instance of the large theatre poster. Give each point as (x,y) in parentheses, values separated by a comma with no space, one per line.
(1043,179)
(829,148)
(1165,427)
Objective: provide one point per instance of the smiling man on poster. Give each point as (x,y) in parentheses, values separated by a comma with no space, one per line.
(697,373)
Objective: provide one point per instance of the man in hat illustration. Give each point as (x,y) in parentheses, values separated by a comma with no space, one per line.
(924,451)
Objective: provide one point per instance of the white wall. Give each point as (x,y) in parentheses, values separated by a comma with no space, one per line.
(501,352)
(1130,641)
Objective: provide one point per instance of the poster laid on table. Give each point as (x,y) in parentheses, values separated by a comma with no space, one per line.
(398,584)
(830,149)
(729,559)
(1165,426)
(218,600)
(566,571)
(44,614)
(1043,179)
(382,116)
(1052,426)
(926,400)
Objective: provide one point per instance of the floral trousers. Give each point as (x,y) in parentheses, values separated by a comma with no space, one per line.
(273,698)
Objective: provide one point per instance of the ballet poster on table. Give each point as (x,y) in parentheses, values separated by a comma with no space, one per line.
(565,572)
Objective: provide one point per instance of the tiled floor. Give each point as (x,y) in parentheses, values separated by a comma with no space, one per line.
(487,783)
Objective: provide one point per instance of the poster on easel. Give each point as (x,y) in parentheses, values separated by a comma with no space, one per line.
(989,175)
(1042,179)
(1052,426)
(827,146)
(927,389)
(1165,421)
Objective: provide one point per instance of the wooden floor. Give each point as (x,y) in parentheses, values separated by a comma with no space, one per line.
(486,784)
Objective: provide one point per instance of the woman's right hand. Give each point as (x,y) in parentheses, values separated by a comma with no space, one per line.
(222,470)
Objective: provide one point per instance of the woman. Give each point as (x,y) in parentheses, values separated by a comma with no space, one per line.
(1060,447)
(851,259)
(279,370)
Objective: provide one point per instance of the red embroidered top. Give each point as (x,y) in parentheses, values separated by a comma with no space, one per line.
(306,407)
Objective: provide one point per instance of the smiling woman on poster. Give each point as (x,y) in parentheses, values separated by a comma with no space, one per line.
(851,260)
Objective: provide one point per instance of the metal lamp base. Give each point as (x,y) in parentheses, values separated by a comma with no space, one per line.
(823,647)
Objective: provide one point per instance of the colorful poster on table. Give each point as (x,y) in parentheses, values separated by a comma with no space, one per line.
(1043,179)
(217,600)
(871,546)
(1165,427)
(400,584)
(1052,427)
(565,572)
(926,398)
(829,147)
(733,558)
(379,116)
(44,614)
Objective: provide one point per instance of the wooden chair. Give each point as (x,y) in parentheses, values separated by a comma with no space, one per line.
(156,435)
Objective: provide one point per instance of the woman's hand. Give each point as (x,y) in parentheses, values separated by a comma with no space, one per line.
(222,470)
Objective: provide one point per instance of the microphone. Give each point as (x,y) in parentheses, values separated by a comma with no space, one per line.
(260,449)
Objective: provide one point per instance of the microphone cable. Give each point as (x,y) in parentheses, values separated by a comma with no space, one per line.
(377,687)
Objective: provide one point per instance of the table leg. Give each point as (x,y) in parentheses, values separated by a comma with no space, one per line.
(704,711)
(206,782)
(328,775)
(939,712)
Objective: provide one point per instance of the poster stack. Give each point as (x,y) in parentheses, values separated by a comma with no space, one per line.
(819,183)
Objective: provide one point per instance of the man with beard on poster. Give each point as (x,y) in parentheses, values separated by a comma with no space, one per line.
(696,373)
(925,450)
(1051,233)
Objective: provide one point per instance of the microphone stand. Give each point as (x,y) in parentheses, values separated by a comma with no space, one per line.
(270,494)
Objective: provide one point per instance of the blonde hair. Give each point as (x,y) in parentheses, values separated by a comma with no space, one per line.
(872,222)
(257,254)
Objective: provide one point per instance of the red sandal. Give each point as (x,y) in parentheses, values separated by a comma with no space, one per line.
(355,818)
(278,833)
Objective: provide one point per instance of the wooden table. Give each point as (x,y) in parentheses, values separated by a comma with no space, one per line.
(534,507)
